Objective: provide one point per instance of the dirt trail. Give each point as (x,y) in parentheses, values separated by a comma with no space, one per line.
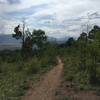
(46,88)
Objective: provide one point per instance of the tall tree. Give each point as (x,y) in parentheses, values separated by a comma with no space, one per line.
(39,37)
(70,42)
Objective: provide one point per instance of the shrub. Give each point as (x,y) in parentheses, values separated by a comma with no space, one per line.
(33,66)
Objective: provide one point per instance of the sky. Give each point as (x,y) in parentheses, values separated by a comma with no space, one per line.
(59,18)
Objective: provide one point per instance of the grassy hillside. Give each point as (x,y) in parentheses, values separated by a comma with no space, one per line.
(81,59)
(17,73)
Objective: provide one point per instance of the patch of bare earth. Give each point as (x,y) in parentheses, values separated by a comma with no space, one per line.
(68,91)
(47,86)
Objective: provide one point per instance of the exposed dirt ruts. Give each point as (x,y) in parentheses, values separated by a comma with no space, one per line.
(47,86)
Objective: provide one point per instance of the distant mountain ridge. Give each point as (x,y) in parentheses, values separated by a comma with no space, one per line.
(8,39)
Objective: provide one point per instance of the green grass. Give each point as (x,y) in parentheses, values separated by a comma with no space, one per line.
(16,73)
(73,71)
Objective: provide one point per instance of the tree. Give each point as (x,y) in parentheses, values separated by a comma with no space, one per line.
(94,33)
(70,41)
(90,52)
(18,33)
(39,37)
(83,36)
(82,44)
(94,50)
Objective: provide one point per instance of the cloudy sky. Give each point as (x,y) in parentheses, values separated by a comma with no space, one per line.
(58,18)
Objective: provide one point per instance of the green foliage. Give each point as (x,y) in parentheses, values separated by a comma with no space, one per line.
(70,42)
(38,37)
(16,72)
(33,66)
(95,33)
(18,33)
(82,64)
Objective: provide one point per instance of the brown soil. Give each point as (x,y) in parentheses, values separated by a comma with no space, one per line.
(47,86)
(68,91)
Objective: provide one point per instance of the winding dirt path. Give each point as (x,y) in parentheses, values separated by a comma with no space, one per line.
(47,86)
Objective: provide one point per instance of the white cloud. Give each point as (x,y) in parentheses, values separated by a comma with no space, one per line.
(66,13)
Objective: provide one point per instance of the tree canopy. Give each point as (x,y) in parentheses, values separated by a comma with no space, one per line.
(37,37)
